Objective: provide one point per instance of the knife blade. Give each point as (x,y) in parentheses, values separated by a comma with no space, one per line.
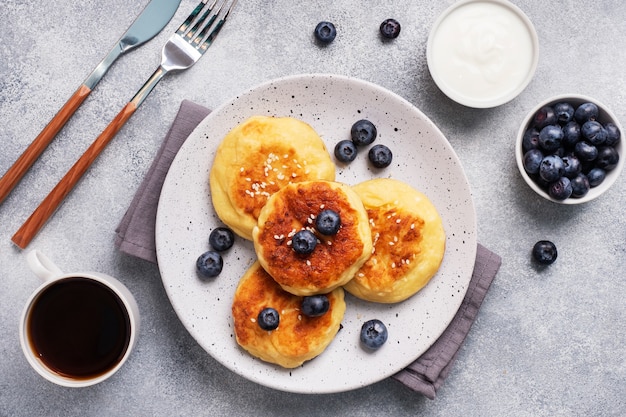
(150,21)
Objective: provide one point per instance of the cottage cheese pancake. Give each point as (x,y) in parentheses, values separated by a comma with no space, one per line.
(298,337)
(409,242)
(256,159)
(335,258)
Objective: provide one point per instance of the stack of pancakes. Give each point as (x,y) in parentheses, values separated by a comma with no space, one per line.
(270,178)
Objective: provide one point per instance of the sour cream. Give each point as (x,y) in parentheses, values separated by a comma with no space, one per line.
(482,53)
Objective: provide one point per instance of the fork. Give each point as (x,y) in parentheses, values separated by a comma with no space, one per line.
(182,50)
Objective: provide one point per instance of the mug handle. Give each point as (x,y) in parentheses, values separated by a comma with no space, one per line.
(42,266)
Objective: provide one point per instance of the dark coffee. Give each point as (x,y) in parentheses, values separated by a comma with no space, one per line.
(79,328)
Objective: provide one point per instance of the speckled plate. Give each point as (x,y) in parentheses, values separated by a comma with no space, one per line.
(331,104)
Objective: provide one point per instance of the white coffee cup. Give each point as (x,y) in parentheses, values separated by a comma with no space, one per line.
(77,329)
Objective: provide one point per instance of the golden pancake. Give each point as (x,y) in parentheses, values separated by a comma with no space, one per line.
(409,242)
(298,338)
(257,158)
(335,259)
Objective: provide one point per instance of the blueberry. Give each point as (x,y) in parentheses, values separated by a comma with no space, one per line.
(530,140)
(585,151)
(545,116)
(532,161)
(380,156)
(571,134)
(304,242)
(209,264)
(345,151)
(373,334)
(607,158)
(571,166)
(390,28)
(551,168)
(550,137)
(315,305)
(560,189)
(613,134)
(594,132)
(268,319)
(580,185)
(596,176)
(545,252)
(585,112)
(221,239)
(328,222)
(325,32)
(363,132)
(564,113)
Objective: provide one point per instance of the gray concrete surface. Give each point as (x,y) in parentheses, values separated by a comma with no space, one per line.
(547,342)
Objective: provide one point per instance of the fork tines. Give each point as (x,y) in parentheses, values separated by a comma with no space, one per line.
(204,28)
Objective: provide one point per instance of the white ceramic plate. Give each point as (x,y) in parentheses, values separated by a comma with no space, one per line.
(331,104)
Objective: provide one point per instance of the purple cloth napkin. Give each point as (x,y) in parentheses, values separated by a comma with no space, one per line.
(135,237)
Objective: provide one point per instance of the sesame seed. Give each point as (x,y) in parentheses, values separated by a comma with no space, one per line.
(308,263)
(393,264)
(412,226)
(322,206)
(399,221)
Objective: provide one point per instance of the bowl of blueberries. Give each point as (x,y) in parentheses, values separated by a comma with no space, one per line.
(569,149)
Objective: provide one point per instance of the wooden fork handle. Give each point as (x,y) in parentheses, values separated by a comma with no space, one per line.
(48,206)
(10,179)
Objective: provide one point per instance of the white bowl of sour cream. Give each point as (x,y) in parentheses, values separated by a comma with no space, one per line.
(482,53)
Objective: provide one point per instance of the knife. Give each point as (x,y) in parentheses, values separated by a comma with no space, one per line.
(151,21)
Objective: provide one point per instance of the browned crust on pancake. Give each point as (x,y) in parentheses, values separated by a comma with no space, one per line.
(298,337)
(408,239)
(397,239)
(262,174)
(295,207)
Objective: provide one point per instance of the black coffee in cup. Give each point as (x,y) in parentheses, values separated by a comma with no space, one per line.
(79,328)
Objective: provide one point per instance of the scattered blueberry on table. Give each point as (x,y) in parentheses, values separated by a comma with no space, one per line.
(325,32)
(544,252)
(390,28)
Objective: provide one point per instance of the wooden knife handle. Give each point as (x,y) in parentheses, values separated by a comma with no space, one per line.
(37,146)
(48,206)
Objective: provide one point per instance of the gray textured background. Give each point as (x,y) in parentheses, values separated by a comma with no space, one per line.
(547,342)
